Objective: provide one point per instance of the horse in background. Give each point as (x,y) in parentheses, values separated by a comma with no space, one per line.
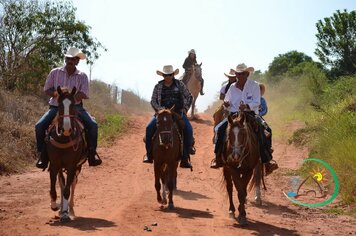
(241,161)
(66,149)
(193,84)
(166,152)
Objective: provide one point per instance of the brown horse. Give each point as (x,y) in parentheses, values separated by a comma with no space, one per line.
(166,153)
(242,159)
(66,151)
(194,85)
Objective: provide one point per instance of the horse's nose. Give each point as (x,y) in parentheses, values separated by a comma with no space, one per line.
(67,132)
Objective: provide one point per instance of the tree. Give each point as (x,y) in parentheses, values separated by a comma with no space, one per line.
(33,38)
(285,62)
(336,46)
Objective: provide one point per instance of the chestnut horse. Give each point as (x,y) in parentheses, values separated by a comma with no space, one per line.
(66,148)
(241,160)
(166,153)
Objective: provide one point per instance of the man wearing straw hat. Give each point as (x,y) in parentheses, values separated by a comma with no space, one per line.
(166,93)
(67,76)
(243,95)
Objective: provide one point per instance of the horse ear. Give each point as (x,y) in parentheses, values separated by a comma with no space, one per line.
(200,63)
(230,119)
(74,90)
(172,108)
(59,90)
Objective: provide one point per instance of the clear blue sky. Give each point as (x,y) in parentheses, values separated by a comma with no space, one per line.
(143,35)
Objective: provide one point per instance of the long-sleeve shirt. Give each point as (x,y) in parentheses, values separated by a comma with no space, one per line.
(250,95)
(188,62)
(186,96)
(59,77)
(263,107)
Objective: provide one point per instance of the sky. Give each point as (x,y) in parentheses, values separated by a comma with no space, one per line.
(144,35)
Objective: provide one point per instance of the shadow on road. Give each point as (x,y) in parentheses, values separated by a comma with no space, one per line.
(189,195)
(85,224)
(189,213)
(261,228)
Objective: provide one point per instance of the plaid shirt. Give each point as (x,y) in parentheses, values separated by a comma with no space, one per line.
(157,93)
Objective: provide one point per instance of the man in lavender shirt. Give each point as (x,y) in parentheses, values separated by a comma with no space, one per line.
(67,76)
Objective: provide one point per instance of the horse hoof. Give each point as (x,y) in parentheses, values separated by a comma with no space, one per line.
(55,206)
(242,220)
(232,214)
(171,206)
(65,218)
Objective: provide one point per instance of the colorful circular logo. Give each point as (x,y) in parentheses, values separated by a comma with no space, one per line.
(317,177)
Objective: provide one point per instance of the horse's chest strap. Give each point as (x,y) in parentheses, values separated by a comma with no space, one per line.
(63,145)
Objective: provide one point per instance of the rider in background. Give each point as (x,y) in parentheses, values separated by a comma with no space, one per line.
(263,109)
(190,61)
(67,76)
(167,93)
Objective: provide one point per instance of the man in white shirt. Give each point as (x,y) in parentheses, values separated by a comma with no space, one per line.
(242,95)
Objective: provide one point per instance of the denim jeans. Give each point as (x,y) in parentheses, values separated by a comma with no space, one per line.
(89,124)
(221,136)
(187,136)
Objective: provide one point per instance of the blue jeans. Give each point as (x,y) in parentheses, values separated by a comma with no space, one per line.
(187,136)
(89,124)
(221,136)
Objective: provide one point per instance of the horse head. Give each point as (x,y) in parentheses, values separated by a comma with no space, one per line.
(165,124)
(197,70)
(236,137)
(66,111)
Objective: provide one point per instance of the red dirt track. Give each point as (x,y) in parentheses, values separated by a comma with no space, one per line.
(118,197)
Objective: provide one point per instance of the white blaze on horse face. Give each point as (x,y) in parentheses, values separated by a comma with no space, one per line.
(235,148)
(66,119)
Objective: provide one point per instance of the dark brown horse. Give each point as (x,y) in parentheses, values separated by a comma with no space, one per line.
(166,153)
(241,158)
(66,151)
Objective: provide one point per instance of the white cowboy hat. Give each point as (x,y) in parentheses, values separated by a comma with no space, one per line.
(75,52)
(191,51)
(168,69)
(242,67)
(230,74)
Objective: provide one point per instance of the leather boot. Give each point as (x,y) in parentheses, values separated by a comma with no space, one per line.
(93,158)
(147,159)
(42,161)
(184,163)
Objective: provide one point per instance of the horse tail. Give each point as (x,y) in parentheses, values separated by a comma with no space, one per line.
(257,177)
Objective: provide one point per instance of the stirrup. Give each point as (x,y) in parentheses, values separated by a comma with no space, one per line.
(146,159)
(215,164)
(270,167)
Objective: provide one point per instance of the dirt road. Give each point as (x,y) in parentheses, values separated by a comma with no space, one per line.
(118,197)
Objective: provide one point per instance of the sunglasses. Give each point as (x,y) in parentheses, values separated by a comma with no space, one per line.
(242,73)
(168,75)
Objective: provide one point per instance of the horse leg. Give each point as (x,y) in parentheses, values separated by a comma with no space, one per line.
(229,188)
(66,193)
(157,182)
(242,183)
(171,179)
(53,193)
(61,181)
(193,108)
(257,178)
(71,200)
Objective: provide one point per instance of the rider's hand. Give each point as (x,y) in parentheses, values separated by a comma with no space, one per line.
(226,104)
(243,107)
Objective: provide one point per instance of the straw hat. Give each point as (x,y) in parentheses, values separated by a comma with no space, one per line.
(167,69)
(230,74)
(75,52)
(242,67)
